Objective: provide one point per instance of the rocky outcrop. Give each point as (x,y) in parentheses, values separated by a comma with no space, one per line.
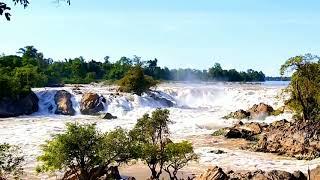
(91,103)
(217,173)
(22,106)
(246,131)
(260,111)
(257,111)
(300,139)
(109,116)
(63,102)
(159,98)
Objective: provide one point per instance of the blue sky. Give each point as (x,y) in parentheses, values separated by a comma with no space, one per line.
(241,34)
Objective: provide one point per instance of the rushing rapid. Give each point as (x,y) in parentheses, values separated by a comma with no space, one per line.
(195,109)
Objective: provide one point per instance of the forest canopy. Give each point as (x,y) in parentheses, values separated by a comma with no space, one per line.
(31,69)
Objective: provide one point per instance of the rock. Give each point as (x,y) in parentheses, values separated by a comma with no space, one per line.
(22,106)
(63,101)
(257,111)
(240,114)
(253,127)
(239,133)
(162,100)
(217,173)
(109,116)
(91,103)
(218,151)
(298,139)
(315,173)
(261,110)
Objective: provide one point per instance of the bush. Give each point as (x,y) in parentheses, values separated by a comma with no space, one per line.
(10,161)
(152,145)
(84,152)
(136,82)
(178,155)
(304,86)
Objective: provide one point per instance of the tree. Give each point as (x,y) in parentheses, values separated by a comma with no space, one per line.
(150,137)
(152,145)
(4,8)
(178,156)
(136,82)
(84,152)
(304,86)
(10,161)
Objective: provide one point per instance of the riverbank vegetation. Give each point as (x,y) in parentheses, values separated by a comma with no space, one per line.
(86,153)
(31,69)
(304,86)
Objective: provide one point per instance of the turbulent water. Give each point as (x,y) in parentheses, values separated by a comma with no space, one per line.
(197,111)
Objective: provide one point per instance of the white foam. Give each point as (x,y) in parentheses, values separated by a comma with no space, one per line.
(198,110)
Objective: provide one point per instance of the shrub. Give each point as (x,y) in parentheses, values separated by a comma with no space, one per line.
(152,145)
(304,86)
(136,82)
(84,152)
(10,161)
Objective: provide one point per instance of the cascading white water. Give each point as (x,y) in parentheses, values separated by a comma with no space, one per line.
(197,110)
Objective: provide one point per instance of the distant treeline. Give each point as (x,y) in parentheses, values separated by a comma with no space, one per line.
(19,73)
(268,78)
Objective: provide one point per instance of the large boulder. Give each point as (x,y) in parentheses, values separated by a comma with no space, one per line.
(257,111)
(300,139)
(260,110)
(91,103)
(217,173)
(63,102)
(15,107)
(159,98)
(109,116)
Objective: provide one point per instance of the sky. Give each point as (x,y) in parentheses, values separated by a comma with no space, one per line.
(240,34)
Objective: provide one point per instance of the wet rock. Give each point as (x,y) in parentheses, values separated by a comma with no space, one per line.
(257,111)
(91,103)
(239,133)
(162,100)
(260,111)
(63,101)
(15,107)
(217,173)
(218,151)
(240,114)
(254,127)
(109,116)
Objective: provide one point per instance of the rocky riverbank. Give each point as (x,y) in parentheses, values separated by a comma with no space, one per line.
(299,139)
(217,173)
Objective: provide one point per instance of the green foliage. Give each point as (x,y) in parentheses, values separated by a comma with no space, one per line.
(136,82)
(304,86)
(217,73)
(219,132)
(10,161)
(32,69)
(85,152)
(152,145)
(178,155)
